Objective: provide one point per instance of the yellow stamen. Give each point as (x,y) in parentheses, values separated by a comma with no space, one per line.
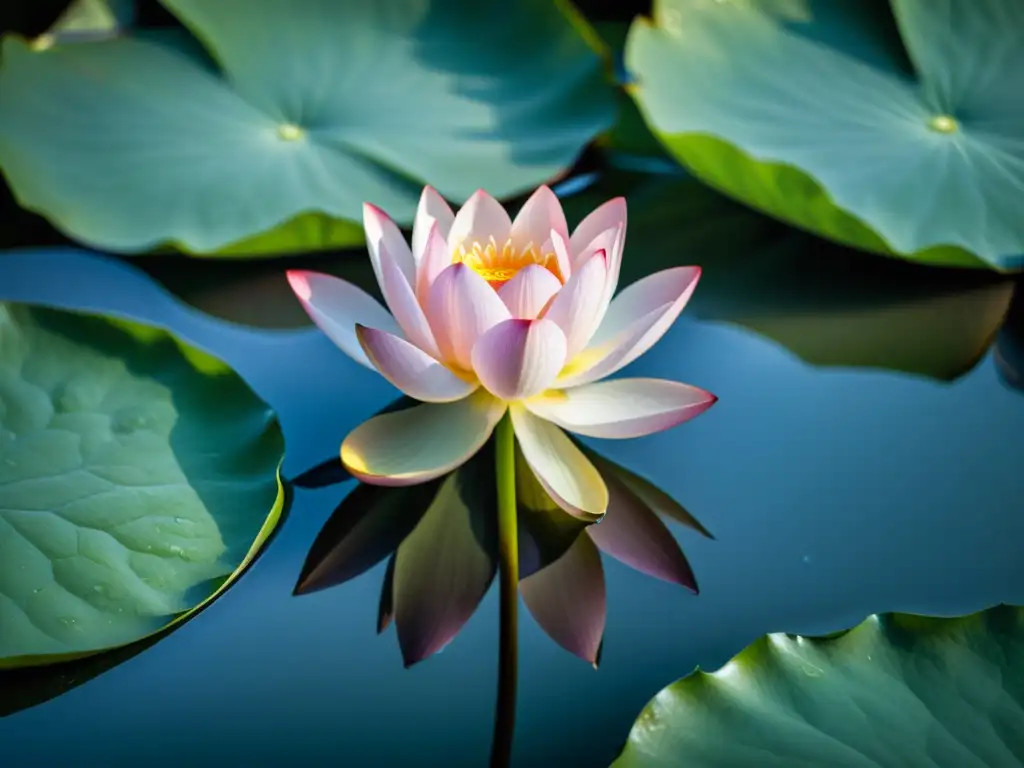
(497,265)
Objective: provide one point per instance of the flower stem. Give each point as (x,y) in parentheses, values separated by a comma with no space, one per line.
(508,563)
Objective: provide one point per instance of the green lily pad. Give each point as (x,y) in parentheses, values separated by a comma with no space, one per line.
(313,108)
(813,111)
(826,303)
(897,690)
(138,478)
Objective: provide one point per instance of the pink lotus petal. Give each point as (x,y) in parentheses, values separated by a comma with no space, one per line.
(403,304)
(480,219)
(575,309)
(435,258)
(622,408)
(669,286)
(606,217)
(336,306)
(632,534)
(461,308)
(560,246)
(411,369)
(382,233)
(605,241)
(432,210)
(420,443)
(540,215)
(635,320)
(529,291)
(519,358)
(567,598)
(566,474)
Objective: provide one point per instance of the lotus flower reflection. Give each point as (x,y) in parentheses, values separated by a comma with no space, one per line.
(431,591)
(490,315)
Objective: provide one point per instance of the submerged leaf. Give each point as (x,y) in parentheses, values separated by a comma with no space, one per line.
(138,477)
(897,690)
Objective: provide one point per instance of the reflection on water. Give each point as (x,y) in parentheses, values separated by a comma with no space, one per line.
(440,542)
(833,493)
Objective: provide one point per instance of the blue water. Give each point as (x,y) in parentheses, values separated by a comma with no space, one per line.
(833,493)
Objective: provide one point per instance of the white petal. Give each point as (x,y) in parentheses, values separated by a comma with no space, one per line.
(608,216)
(519,358)
(529,291)
(480,219)
(411,369)
(435,258)
(461,308)
(622,408)
(402,301)
(381,230)
(420,443)
(336,306)
(631,326)
(566,474)
(577,306)
(432,209)
(540,215)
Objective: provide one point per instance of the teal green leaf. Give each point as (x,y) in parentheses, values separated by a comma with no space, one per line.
(814,112)
(311,107)
(138,478)
(897,690)
(826,303)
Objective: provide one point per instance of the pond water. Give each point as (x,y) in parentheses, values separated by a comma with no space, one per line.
(833,493)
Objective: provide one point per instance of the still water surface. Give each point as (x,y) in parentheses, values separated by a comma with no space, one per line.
(833,493)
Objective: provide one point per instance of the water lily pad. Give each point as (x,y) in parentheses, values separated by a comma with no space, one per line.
(897,690)
(826,303)
(313,107)
(815,112)
(138,478)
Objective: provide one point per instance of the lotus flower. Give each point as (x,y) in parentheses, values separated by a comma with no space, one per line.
(490,315)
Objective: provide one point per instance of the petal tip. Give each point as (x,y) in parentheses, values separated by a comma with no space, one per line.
(298,279)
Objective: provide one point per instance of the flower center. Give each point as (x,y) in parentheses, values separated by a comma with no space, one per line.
(499,265)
